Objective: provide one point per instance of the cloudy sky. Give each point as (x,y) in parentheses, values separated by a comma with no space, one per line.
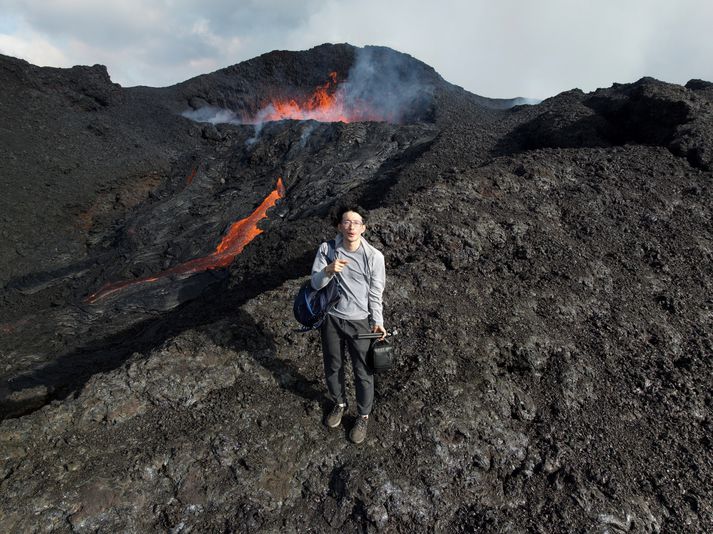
(502,48)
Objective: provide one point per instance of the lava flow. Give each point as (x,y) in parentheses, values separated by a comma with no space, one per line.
(237,237)
(329,103)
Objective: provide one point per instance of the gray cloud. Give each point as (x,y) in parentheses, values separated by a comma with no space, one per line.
(250,17)
(504,49)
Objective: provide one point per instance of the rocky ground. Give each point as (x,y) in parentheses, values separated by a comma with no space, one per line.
(549,274)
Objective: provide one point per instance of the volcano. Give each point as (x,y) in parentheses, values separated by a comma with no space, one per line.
(548,270)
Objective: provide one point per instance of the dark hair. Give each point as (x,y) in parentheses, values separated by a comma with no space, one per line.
(340,210)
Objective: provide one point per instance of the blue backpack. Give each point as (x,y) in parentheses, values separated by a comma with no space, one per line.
(311,305)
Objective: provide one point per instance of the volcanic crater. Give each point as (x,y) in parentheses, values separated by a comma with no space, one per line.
(548,271)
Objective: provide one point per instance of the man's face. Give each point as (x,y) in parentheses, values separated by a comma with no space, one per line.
(351,226)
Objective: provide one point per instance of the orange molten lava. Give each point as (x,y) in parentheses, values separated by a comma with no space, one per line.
(239,235)
(327,104)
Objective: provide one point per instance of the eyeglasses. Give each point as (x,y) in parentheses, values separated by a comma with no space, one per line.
(352,223)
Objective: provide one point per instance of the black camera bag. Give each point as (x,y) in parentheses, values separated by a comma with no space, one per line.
(381,356)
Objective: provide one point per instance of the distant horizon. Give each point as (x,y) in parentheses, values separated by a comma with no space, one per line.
(508,50)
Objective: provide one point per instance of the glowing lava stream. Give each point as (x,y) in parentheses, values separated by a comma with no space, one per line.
(327,104)
(239,235)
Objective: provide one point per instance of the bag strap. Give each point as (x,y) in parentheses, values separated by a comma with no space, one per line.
(331,247)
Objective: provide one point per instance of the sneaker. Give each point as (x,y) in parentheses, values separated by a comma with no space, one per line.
(335,416)
(358,432)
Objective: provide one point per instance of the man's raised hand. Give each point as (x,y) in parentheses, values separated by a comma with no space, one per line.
(337,266)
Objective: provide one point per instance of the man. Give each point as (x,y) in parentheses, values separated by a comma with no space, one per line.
(360,271)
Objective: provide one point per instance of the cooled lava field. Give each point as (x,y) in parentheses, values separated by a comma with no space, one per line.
(549,273)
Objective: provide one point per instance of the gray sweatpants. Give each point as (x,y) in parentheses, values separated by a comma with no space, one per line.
(336,333)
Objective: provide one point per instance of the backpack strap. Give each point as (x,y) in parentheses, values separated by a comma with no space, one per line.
(331,247)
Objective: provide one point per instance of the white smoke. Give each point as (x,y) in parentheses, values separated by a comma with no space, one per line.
(387,84)
(306,133)
(212,115)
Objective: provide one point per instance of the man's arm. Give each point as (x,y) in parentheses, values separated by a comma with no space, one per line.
(320,277)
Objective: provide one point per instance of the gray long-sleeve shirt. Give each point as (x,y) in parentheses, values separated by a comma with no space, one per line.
(362,280)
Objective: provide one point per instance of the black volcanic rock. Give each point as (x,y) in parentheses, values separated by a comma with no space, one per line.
(646,112)
(549,273)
